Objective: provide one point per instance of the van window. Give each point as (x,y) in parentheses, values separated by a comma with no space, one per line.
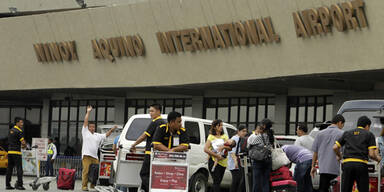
(206,130)
(137,127)
(231,132)
(193,131)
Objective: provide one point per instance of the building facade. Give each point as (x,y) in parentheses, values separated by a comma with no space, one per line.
(238,60)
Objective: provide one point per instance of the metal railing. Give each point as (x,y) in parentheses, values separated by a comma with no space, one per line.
(69,162)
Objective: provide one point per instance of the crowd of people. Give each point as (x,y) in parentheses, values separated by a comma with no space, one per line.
(324,153)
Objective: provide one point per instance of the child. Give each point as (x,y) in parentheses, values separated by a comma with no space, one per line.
(223,150)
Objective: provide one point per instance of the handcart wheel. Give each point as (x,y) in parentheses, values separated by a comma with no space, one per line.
(34,187)
(46,186)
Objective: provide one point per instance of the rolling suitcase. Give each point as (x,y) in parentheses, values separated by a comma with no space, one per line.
(283,173)
(93,173)
(66,178)
(284,186)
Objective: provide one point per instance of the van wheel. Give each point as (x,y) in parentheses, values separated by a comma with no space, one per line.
(199,183)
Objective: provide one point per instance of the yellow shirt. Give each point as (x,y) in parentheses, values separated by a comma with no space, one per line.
(218,140)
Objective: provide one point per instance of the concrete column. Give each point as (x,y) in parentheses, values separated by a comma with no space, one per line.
(280,114)
(197,106)
(119,110)
(45,118)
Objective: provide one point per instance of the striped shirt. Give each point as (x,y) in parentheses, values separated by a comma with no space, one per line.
(258,140)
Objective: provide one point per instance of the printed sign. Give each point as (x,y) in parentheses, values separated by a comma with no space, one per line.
(169,155)
(29,162)
(42,148)
(169,177)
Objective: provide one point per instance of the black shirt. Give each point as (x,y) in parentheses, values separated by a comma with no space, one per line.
(357,143)
(164,136)
(15,137)
(151,131)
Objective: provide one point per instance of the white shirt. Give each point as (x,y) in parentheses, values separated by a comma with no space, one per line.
(91,142)
(305,141)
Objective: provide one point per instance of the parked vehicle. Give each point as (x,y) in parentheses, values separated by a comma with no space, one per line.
(3,159)
(197,129)
(107,156)
(374,110)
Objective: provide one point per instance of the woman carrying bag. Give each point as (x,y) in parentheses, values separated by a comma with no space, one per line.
(260,146)
(216,140)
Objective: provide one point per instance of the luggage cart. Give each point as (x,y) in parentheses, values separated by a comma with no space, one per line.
(45,181)
(127,162)
(169,172)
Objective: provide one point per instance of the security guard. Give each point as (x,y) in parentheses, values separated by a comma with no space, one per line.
(52,152)
(359,144)
(155,113)
(15,141)
(171,136)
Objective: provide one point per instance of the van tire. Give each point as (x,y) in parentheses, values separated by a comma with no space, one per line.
(199,182)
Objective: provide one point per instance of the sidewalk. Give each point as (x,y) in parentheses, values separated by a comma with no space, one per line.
(52,186)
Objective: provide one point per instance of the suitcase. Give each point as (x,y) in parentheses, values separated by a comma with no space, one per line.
(284,186)
(283,173)
(93,173)
(66,178)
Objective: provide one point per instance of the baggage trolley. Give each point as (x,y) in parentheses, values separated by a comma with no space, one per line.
(45,181)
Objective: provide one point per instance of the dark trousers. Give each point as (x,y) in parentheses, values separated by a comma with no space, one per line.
(14,161)
(303,176)
(238,184)
(354,171)
(217,175)
(261,174)
(144,173)
(49,166)
(325,181)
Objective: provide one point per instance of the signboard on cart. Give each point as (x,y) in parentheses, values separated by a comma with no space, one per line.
(169,172)
(42,148)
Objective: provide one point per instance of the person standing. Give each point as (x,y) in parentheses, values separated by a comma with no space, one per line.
(215,142)
(15,142)
(234,165)
(359,145)
(91,143)
(155,113)
(52,152)
(262,169)
(302,157)
(304,139)
(323,151)
(171,136)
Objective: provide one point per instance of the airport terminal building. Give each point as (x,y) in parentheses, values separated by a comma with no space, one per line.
(237,60)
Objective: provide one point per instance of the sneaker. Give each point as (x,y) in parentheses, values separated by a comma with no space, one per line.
(85,189)
(9,188)
(19,188)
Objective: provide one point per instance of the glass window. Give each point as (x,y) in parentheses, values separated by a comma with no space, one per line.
(4,129)
(234,113)
(329,114)
(207,127)
(271,112)
(100,114)
(111,114)
(4,115)
(252,114)
(261,114)
(223,113)
(231,132)
(211,113)
(188,111)
(243,113)
(302,114)
(17,112)
(33,115)
(137,127)
(319,114)
(64,114)
(193,131)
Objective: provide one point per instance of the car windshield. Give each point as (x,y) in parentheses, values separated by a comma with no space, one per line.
(351,118)
(136,128)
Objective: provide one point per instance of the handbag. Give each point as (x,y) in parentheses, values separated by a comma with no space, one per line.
(279,158)
(260,152)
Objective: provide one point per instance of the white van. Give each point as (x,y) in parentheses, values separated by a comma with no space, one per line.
(197,129)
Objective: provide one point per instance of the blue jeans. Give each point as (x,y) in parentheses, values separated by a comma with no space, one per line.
(303,176)
(261,174)
(49,166)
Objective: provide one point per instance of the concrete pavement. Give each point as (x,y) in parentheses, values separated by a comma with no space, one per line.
(52,186)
